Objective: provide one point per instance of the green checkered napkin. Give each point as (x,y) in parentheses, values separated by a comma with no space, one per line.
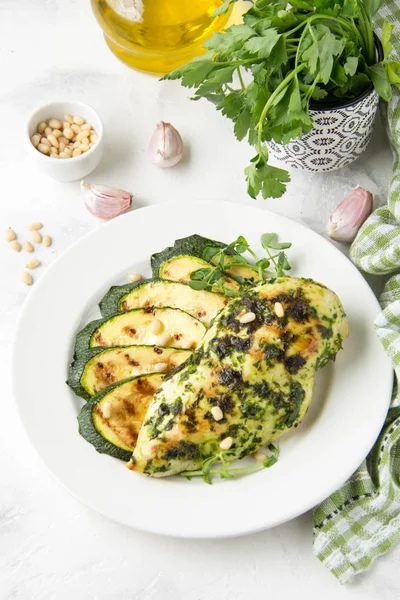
(362,520)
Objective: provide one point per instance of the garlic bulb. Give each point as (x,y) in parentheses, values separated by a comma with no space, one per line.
(350,214)
(105,202)
(166,146)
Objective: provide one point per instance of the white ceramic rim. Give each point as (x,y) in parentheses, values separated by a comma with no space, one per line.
(53,105)
(230,489)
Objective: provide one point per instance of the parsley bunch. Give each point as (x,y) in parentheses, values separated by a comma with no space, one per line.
(264,73)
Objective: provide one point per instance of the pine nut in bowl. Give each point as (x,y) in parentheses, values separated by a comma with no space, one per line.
(65,139)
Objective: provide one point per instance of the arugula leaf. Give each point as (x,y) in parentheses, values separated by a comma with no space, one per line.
(379,77)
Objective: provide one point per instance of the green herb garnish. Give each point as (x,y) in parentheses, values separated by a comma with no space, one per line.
(225,471)
(213,278)
(264,73)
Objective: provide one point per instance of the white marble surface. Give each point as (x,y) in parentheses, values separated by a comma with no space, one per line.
(52,547)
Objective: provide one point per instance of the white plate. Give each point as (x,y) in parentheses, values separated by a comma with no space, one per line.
(346,415)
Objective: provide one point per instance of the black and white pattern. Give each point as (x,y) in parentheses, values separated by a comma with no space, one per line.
(338,137)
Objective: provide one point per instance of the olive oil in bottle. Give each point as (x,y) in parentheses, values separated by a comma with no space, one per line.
(157,35)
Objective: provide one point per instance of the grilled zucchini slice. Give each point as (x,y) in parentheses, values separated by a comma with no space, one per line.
(179,268)
(156,292)
(194,245)
(98,368)
(111,420)
(132,328)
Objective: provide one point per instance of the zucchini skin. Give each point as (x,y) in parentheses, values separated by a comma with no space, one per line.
(76,370)
(113,300)
(78,366)
(83,338)
(89,432)
(109,304)
(87,428)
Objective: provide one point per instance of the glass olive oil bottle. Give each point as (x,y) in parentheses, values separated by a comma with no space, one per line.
(157,35)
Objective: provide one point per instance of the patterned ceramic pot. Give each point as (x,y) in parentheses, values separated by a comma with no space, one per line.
(340,134)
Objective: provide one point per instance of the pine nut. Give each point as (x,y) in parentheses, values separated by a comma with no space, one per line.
(76,145)
(75,128)
(69,118)
(35,139)
(28,247)
(68,133)
(260,456)
(26,278)
(41,127)
(77,152)
(163,339)
(45,141)
(55,123)
(66,125)
(63,140)
(36,237)
(247,318)
(84,147)
(278,308)
(226,443)
(91,145)
(16,246)
(79,120)
(160,367)
(62,147)
(217,413)
(53,141)
(33,263)
(64,155)
(43,149)
(54,155)
(68,152)
(94,138)
(156,327)
(86,127)
(48,131)
(57,133)
(47,241)
(9,234)
(133,277)
(106,410)
(35,226)
(81,135)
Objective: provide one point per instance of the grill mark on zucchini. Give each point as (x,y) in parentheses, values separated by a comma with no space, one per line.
(93,334)
(203,305)
(98,359)
(94,428)
(180,267)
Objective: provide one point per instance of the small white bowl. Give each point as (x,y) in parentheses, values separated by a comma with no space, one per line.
(65,169)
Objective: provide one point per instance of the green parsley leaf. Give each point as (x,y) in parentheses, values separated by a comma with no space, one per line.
(379,77)
(372,6)
(387,29)
(262,46)
(223,9)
